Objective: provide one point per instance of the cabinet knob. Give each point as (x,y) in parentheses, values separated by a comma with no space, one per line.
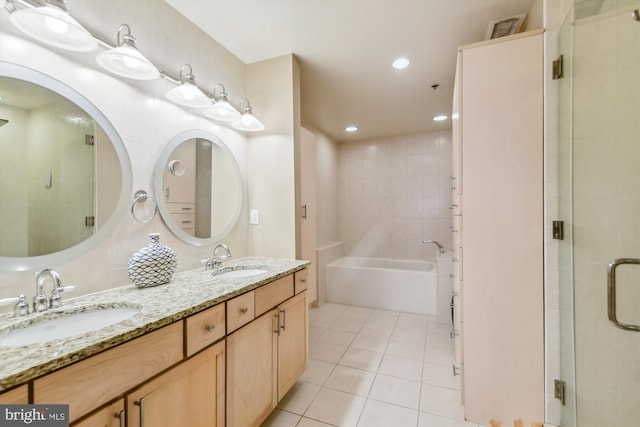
(210,328)
(244,310)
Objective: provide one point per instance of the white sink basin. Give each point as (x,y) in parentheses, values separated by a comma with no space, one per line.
(245,272)
(67,325)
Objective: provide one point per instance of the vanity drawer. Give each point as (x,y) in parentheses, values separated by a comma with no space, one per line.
(204,328)
(184,220)
(93,382)
(181,208)
(300,279)
(240,311)
(273,294)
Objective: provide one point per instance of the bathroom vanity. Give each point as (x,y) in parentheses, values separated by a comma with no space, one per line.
(205,349)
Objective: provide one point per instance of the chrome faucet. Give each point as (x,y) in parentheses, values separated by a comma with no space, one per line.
(216,260)
(40,302)
(438,244)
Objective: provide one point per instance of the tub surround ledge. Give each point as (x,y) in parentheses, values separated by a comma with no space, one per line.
(187,293)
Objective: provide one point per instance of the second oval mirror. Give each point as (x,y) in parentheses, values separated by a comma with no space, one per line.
(199,188)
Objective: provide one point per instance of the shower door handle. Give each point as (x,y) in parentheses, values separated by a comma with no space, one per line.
(611,293)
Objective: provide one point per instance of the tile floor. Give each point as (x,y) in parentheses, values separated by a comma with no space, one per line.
(374,368)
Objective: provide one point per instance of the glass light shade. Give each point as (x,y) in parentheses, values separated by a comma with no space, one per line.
(127,61)
(188,95)
(54,26)
(222,110)
(248,122)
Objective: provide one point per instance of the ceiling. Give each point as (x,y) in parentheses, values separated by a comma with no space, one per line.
(346,48)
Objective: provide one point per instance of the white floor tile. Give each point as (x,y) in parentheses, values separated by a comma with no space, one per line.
(317,371)
(440,356)
(369,342)
(440,339)
(298,399)
(401,367)
(440,375)
(315,332)
(327,352)
(351,380)
(377,330)
(336,408)
(381,414)
(372,367)
(361,359)
(279,418)
(413,335)
(441,401)
(413,321)
(332,336)
(308,422)
(407,349)
(397,391)
(430,420)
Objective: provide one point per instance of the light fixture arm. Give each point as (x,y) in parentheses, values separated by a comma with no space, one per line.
(125,39)
(222,95)
(189,78)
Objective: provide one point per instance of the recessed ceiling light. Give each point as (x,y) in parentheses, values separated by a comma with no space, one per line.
(351,128)
(400,63)
(440,118)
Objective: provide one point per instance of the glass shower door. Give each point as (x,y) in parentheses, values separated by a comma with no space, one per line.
(600,200)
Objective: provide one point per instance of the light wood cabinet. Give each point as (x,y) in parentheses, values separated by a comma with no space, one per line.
(240,311)
(95,381)
(18,395)
(222,366)
(251,368)
(204,328)
(292,342)
(190,394)
(265,358)
(498,163)
(112,415)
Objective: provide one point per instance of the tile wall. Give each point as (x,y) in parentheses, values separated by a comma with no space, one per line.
(393,193)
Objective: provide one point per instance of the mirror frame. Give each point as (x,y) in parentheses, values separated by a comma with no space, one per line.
(19,72)
(158,183)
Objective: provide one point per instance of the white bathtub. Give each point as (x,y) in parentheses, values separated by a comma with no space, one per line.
(385,284)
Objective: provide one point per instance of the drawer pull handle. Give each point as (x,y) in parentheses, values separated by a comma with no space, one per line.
(210,328)
(121,416)
(140,403)
(303,280)
(244,310)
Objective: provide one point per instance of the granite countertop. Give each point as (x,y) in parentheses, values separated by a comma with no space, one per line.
(187,293)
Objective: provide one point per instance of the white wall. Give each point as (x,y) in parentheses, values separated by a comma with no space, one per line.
(271,158)
(393,194)
(144,120)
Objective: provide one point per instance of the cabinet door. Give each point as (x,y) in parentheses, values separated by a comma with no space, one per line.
(17,396)
(251,367)
(110,416)
(292,342)
(191,394)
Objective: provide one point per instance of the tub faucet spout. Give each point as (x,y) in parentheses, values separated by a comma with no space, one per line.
(438,244)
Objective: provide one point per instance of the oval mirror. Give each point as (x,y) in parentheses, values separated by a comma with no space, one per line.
(65,176)
(199,188)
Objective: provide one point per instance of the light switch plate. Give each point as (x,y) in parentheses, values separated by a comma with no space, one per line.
(255,216)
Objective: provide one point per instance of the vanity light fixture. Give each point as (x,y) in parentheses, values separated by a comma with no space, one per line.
(187,93)
(126,60)
(248,122)
(51,24)
(221,109)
